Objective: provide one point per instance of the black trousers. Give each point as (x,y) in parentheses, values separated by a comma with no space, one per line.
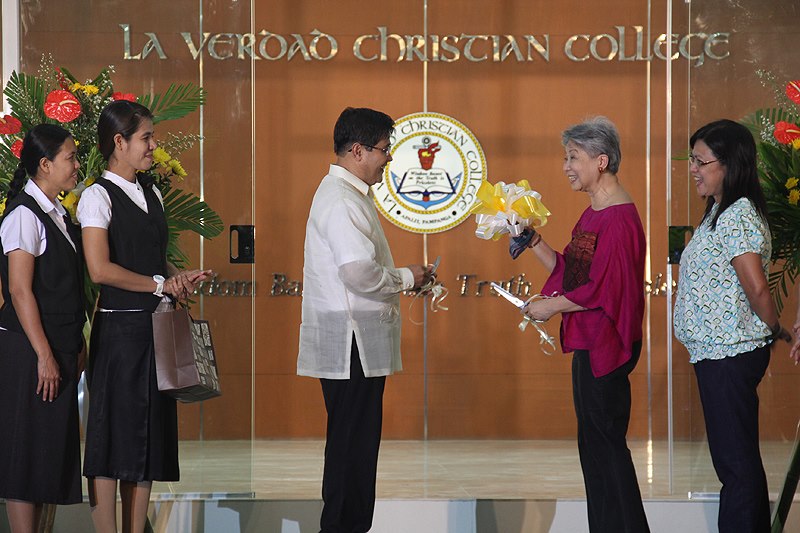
(730,406)
(603,409)
(355,417)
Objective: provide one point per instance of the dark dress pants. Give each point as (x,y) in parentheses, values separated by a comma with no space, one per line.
(730,407)
(603,409)
(355,416)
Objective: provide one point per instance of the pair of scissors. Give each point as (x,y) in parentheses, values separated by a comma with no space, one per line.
(435,264)
(519,303)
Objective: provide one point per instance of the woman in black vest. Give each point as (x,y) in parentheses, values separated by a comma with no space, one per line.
(41,341)
(132,430)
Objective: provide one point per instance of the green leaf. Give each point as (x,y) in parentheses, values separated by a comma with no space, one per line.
(755,121)
(774,158)
(92,165)
(185,211)
(26,95)
(67,74)
(177,102)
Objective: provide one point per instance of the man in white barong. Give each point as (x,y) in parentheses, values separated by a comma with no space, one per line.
(350,330)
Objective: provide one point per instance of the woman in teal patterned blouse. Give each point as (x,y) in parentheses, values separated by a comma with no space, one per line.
(726,318)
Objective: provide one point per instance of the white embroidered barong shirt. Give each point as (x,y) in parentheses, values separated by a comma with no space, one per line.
(350,284)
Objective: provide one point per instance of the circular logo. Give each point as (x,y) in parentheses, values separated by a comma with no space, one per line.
(437,166)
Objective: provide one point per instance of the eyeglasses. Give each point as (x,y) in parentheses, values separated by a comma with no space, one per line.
(699,162)
(386,151)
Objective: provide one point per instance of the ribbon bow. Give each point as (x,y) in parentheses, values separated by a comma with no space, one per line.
(507,208)
(439,293)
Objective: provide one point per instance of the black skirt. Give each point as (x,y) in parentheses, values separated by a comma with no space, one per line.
(132,428)
(40,444)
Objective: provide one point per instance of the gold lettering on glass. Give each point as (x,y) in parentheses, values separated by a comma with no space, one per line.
(226,40)
(569,44)
(264,43)
(126,43)
(384,37)
(357,48)
(332,46)
(468,47)
(612,43)
(195,49)
(535,45)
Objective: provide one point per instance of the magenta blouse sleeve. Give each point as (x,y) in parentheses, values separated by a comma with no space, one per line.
(554,284)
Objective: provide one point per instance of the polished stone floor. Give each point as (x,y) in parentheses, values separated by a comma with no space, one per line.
(447,469)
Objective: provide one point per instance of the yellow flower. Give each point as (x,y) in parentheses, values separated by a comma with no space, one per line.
(796,144)
(2,206)
(176,167)
(88,90)
(69,201)
(794,196)
(791,183)
(160,156)
(77,142)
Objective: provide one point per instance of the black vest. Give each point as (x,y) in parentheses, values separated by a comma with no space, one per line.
(137,241)
(57,282)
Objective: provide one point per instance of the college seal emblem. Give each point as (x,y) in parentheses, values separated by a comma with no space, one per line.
(437,166)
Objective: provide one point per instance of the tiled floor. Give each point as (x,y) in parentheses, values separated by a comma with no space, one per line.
(446,469)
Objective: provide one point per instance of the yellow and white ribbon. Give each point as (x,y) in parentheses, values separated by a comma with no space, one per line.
(507,208)
(438,293)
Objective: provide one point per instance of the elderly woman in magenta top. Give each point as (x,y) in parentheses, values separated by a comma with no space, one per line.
(726,318)
(597,284)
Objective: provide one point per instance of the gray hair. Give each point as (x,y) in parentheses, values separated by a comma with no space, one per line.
(596,136)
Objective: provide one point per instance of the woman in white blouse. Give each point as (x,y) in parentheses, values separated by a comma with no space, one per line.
(132,432)
(41,341)
(726,318)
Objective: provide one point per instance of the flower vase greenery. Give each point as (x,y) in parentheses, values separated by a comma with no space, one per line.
(778,143)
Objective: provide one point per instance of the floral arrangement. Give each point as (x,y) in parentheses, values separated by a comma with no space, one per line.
(778,142)
(55,96)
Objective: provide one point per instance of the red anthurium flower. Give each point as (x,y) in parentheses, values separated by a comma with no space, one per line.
(793,91)
(786,132)
(124,96)
(10,125)
(16,148)
(62,106)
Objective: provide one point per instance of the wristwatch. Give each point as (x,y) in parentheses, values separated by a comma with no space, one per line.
(159,285)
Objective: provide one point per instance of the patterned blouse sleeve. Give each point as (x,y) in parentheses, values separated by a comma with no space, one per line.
(740,230)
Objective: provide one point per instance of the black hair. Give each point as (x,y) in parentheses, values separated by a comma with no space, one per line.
(733,146)
(120,116)
(360,125)
(42,141)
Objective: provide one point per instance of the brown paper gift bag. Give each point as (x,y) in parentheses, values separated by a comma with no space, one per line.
(186,366)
